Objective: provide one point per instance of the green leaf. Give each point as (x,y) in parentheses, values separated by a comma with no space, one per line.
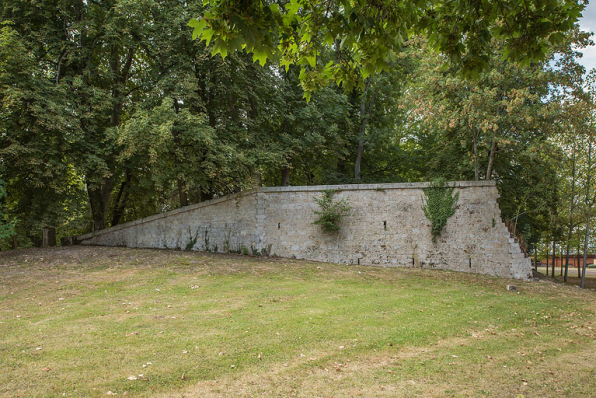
(207,35)
(198,27)
(260,56)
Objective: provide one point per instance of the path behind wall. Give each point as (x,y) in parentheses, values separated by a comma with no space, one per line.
(386,226)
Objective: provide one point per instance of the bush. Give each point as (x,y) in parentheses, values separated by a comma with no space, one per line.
(331,212)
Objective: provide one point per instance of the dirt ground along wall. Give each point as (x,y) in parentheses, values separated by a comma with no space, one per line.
(386,226)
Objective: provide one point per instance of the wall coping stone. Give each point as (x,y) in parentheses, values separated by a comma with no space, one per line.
(265,190)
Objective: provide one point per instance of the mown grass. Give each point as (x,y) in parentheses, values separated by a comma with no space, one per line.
(80,321)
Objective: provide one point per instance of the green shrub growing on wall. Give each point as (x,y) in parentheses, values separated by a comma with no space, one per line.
(331,212)
(192,240)
(439,205)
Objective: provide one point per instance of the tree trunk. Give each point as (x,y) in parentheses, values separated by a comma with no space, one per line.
(99,199)
(491,159)
(583,284)
(579,244)
(536,259)
(561,264)
(546,258)
(571,207)
(52,237)
(182,193)
(588,215)
(554,259)
(359,154)
(364,115)
(285,176)
(475,148)
(259,177)
(15,243)
(121,199)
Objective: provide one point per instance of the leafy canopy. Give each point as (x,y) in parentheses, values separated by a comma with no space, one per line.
(366,35)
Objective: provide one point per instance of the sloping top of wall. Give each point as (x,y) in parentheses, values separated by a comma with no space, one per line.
(303,188)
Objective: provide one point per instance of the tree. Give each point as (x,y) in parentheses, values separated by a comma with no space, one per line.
(6,227)
(366,36)
(35,136)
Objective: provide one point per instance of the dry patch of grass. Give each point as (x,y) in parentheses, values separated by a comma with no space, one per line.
(88,321)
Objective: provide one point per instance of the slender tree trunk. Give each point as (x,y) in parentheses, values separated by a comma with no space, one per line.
(585,264)
(15,243)
(554,259)
(52,236)
(362,132)
(588,215)
(579,268)
(364,116)
(182,192)
(571,208)
(259,179)
(285,176)
(546,258)
(475,148)
(491,159)
(121,198)
(536,259)
(561,264)
(359,154)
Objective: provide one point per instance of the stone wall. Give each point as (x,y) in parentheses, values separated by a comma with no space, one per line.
(386,227)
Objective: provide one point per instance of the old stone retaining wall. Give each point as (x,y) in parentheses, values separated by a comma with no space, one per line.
(386,226)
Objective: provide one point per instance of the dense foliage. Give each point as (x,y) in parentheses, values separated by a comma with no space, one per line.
(366,36)
(111,111)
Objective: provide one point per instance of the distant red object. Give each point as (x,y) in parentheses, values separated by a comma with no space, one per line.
(574,261)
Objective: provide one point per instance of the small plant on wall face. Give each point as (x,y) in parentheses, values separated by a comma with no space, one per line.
(439,205)
(331,212)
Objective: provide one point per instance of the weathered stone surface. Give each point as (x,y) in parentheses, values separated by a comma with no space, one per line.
(385,227)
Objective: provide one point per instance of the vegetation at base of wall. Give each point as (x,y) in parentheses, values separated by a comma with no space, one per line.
(207,247)
(439,205)
(331,211)
(192,240)
(227,241)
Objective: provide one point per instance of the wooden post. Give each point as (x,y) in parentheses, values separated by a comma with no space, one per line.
(44,237)
(48,237)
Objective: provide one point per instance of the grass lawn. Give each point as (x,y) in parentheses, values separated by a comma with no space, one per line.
(89,321)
